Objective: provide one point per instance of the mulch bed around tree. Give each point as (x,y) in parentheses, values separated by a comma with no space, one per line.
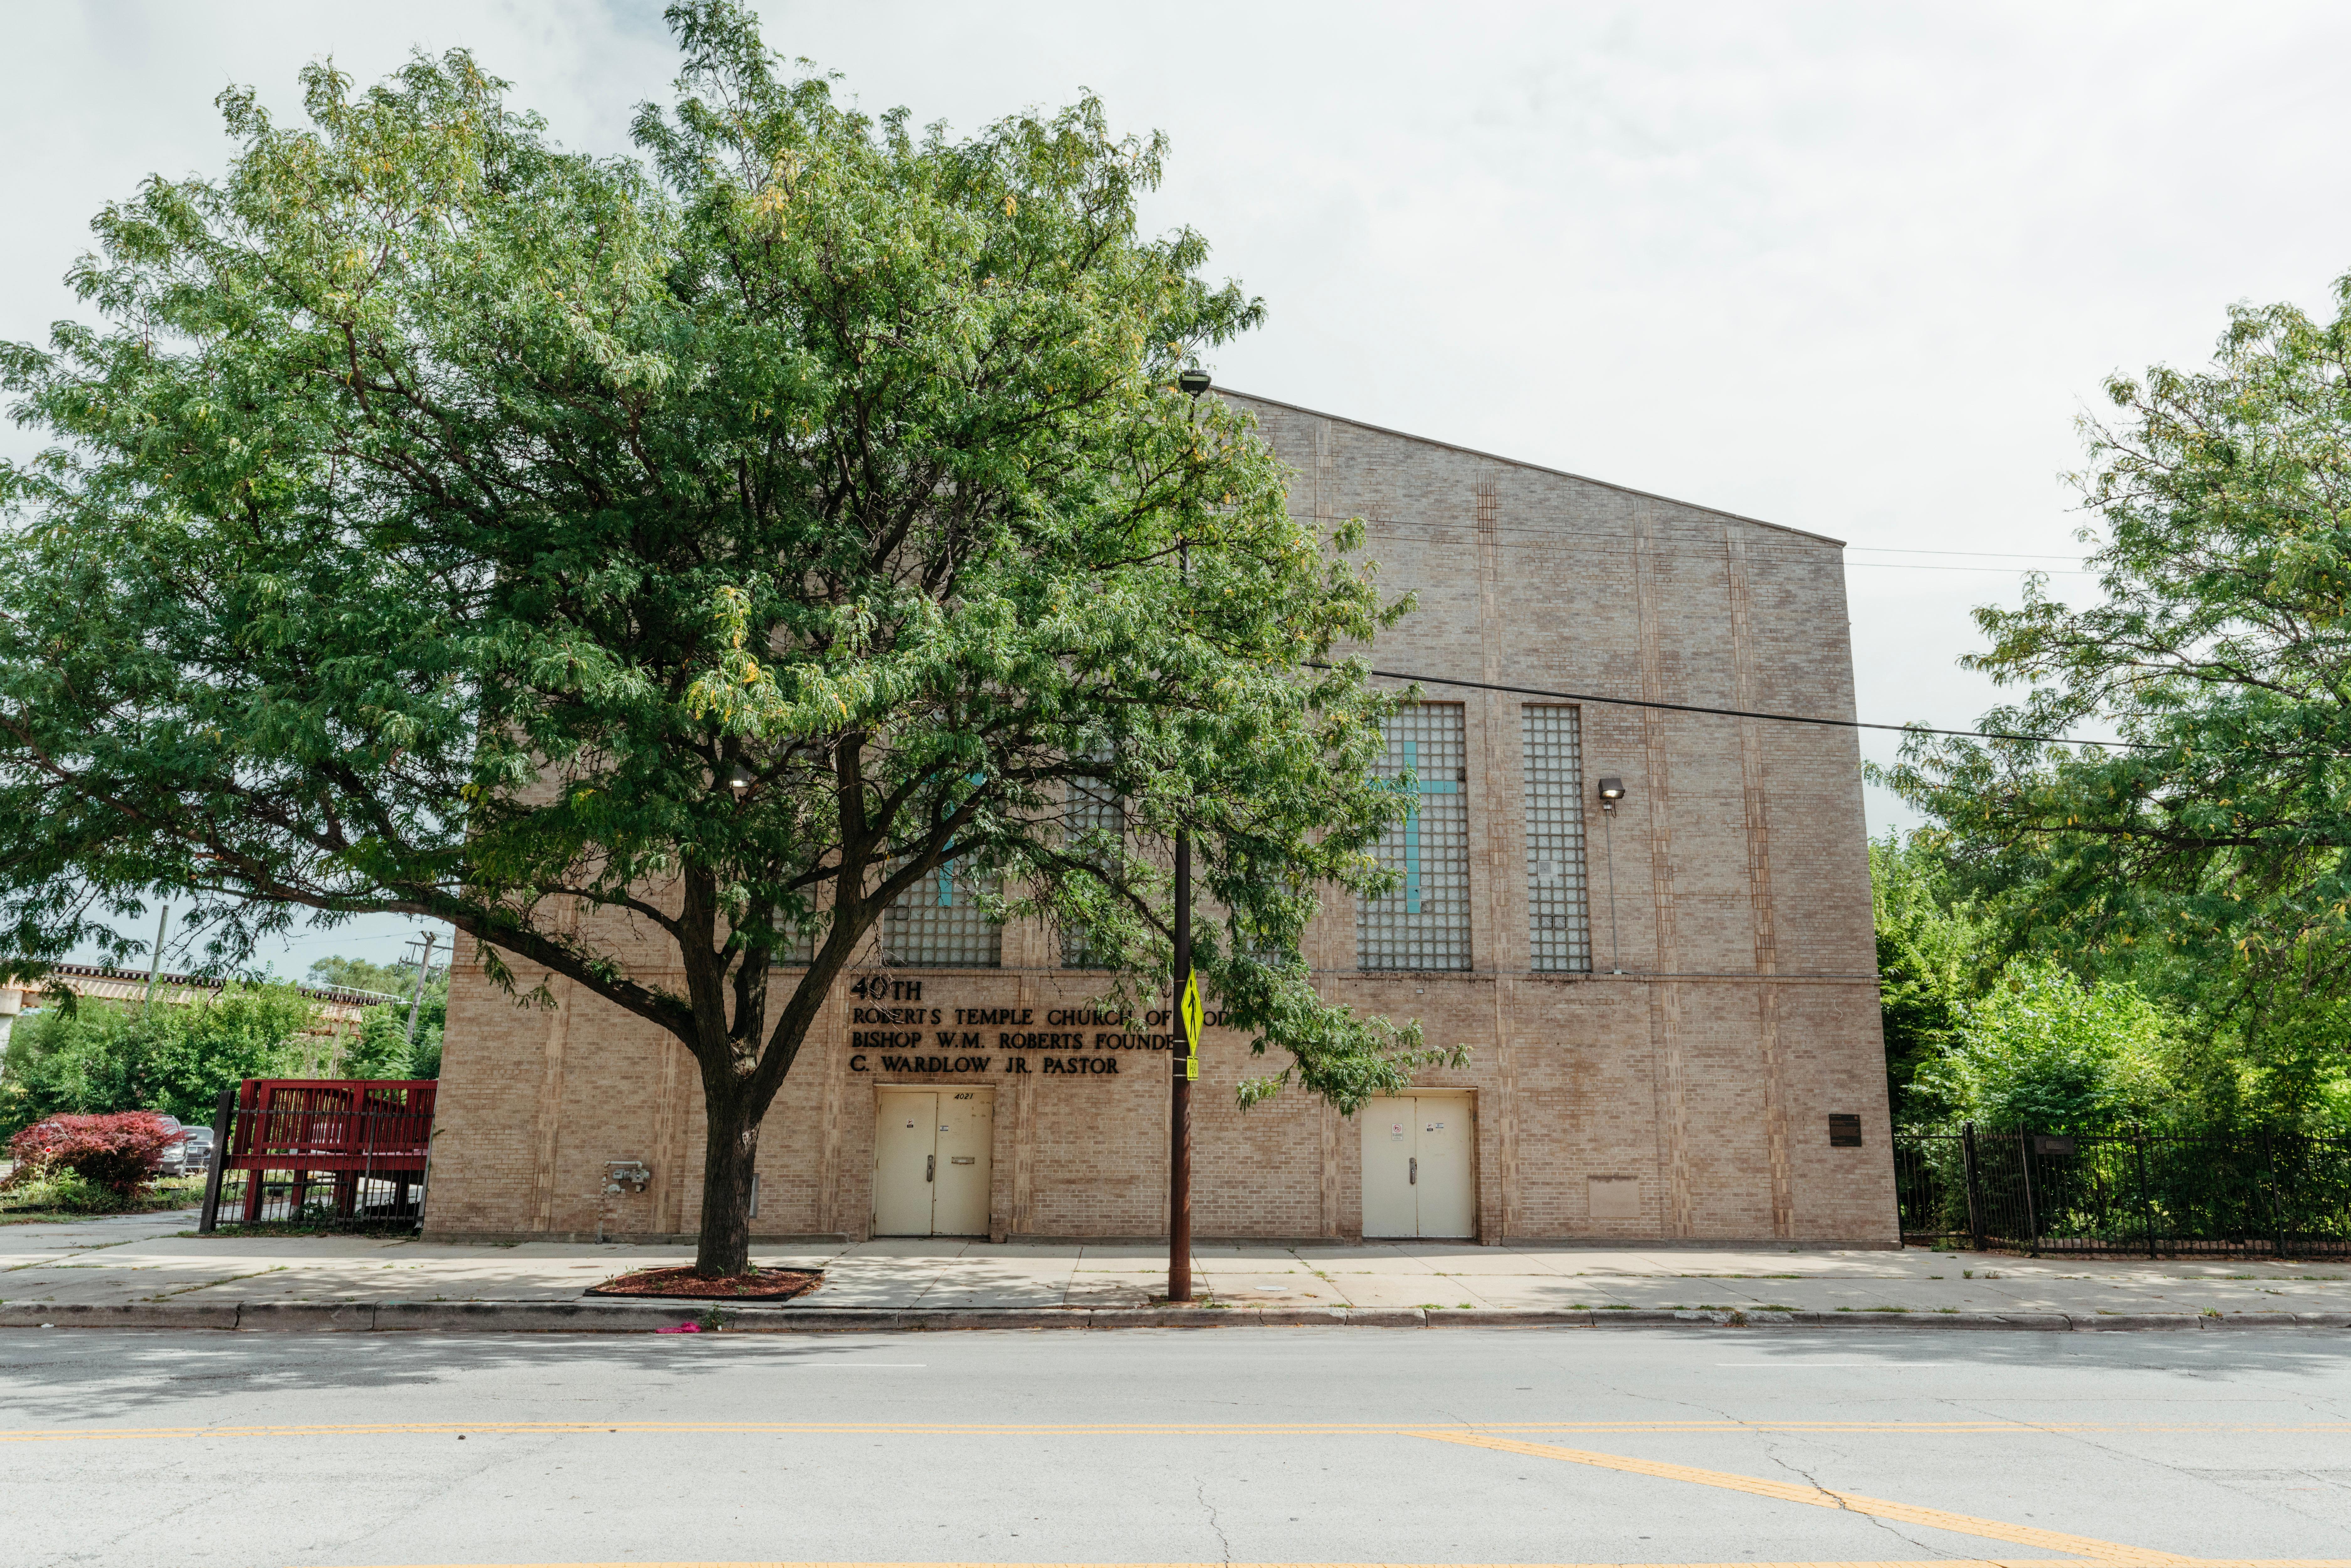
(761,1285)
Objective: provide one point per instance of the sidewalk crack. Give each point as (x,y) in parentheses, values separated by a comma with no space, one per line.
(209,1284)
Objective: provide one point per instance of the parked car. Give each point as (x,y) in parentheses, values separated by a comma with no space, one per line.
(196,1147)
(175,1153)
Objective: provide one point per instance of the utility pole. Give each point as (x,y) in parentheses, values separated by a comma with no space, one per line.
(155,959)
(1187,1068)
(1183,1031)
(416,990)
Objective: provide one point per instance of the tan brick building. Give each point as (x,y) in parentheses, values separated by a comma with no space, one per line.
(1688,1069)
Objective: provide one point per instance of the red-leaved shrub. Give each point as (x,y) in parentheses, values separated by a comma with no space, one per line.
(119,1152)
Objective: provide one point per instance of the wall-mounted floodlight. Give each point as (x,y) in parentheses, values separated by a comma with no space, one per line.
(1192,382)
(738,780)
(1611,790)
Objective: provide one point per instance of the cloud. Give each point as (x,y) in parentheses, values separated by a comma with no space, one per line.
(1850,268)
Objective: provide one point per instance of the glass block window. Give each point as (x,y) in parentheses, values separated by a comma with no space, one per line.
(1425,924)
(1560,937)
(1094,814)
(937,923)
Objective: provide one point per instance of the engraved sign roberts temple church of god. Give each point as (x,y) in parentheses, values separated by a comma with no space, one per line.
(1671,1004)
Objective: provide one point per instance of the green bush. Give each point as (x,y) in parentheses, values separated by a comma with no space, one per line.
(381,1049)
(68,1192)
(2046,1049)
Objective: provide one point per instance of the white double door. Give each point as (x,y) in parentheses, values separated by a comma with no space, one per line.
(932,1161)
(1419,1178)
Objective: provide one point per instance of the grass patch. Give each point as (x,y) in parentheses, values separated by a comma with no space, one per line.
(228,1230)
(65,1198)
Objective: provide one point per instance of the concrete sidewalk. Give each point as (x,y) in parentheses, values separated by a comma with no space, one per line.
(147,1259)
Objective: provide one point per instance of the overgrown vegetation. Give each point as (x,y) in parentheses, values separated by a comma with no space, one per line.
(1984,1025)
(382,1048)
(63,1194)
(95,1056)
(2174,910)
(71,1165)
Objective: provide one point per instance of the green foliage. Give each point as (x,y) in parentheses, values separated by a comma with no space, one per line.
(1974,1033)
(2044,1050)
(1930,963)
(424,1057)
(440,516)
(65,1192)
(2206,858)
(100,1057)
(381,1049)
(365,975)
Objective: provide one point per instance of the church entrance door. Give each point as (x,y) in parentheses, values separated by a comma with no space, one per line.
(932,1161)
(1418,1179)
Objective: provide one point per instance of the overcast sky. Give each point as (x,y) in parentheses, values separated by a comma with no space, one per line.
(1853,268)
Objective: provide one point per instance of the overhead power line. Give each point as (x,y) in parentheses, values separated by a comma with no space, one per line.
(1743,713)
(1983,554)
(1711,548)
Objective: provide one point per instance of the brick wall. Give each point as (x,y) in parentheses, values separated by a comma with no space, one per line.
(1707,1071)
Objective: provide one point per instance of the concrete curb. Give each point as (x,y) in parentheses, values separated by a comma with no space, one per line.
(599,1315)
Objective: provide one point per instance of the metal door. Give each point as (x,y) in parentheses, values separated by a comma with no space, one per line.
(966,1123)
(905,1161)
(1419,1174)
(1445,1195)
(1389,1206)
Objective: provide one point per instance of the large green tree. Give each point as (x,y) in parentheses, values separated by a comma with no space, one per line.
(2205,856)
(444,523)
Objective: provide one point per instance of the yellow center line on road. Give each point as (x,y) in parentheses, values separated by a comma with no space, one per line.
(1148,1429)
(2097,1551)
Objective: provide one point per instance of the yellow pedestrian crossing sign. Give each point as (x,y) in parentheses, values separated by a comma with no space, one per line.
(1191,1011)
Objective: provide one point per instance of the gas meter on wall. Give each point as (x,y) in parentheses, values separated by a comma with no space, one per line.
(626,1176)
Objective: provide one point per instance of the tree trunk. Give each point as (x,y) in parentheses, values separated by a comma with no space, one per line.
(724,1247)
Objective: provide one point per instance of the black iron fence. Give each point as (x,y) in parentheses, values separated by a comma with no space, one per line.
(2279,1195)
(307,1200)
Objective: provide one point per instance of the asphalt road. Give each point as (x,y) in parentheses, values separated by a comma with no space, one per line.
(1309,1445)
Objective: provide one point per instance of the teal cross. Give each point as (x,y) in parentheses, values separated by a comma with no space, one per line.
(947,867)
(1412,823)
